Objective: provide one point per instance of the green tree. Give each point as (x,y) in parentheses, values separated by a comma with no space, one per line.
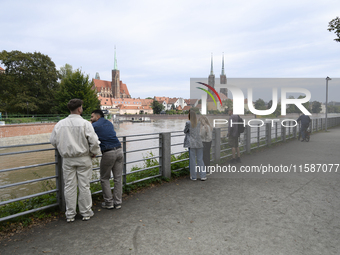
(76,84)
(157,107)
(65,71)
(277,112)
(292,108)
(316,107)
(334,25)
(260,104)
(29,82)
(306,105)
(227,104)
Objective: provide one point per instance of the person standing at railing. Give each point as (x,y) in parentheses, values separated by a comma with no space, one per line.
(76,142)
(206,136)
(187,137)
(112,160)
(196,149)
(305,120)
(233,135)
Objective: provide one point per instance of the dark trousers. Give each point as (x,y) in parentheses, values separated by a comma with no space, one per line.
(206,154)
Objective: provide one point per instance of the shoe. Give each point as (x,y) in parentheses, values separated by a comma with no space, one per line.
(238,160)
(118,206)
(107,206)
(86,218)
(193,179)
(204,179)
(69,220)
(233,161)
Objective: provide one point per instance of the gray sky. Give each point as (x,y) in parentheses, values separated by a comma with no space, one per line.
(162,44)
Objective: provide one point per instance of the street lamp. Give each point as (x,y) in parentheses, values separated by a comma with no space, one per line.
(327,79)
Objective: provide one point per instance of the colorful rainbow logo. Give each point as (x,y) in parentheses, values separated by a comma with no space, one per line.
(213,90)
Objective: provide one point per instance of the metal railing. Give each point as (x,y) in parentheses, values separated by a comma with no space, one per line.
(163,148)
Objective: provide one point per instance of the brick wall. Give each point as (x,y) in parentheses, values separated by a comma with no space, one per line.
(26,129)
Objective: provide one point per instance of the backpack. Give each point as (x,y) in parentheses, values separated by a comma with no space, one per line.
(240,126)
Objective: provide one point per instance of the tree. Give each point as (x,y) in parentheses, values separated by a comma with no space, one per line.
(260,104)
(306,105)
(65,71)
(277,112)
(316,107)
(227,104)
(28,84)
(75,84)
(334,25)
(157,107)
(292,108)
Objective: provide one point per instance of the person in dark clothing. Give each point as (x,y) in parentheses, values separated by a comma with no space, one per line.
(233,136)
(112,160)
(305,120)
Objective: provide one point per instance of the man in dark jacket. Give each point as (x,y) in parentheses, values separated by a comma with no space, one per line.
(305,120)
(112,160)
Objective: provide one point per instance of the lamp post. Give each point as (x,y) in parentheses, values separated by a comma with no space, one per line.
(327,79)
(27,108)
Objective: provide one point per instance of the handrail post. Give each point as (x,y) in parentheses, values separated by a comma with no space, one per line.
(283,133)
(165,154)
(124,161)
(248,138)
(217,143)
(60,181)
(268,134)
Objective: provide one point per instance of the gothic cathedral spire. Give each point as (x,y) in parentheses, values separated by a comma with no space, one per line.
(115,61)
(115,84)
(211,78)
(223,78)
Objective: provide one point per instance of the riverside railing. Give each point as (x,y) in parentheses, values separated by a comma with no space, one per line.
(160,148)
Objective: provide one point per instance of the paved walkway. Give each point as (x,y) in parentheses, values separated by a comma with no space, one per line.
(230,213)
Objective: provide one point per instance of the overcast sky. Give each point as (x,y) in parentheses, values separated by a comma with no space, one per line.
(162,44)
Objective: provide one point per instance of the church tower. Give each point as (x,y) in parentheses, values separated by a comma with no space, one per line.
(211,78)
(115,85)
(223,78)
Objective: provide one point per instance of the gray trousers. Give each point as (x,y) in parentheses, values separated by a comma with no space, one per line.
(112,161)
(77,172)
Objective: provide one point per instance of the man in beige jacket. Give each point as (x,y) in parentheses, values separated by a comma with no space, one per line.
(76,142)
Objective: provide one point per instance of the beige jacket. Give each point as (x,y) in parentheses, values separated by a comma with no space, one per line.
(75,137)
(206,133)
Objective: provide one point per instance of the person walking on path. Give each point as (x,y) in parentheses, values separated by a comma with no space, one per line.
(112,160)
(206,136)
(305,120)
(196,149)
(233,136)
(76,142)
